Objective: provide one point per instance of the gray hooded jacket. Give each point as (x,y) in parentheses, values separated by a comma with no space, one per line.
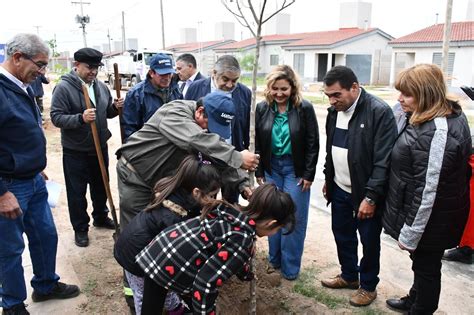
(67,106)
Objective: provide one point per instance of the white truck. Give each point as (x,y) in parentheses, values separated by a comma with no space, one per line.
(132,66)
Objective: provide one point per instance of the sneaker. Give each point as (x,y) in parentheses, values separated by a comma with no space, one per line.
(459,254)
(81,238)
(339,283)
(19,309)
(106,223)
(402,304)
(60,291)
(362,297)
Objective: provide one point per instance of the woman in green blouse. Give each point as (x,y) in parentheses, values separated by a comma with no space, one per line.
(287,139)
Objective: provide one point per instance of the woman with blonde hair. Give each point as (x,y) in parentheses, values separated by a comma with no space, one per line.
(428,195)
(287,139)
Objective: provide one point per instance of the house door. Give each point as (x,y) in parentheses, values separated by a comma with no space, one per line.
(322,66)
(361,65)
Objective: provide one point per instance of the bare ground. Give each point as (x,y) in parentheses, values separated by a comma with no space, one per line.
(100,277)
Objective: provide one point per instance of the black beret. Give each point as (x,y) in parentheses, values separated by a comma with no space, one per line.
(89,55)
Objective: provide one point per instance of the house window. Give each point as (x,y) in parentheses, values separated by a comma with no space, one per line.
(274,60)
(298,64)
(437,58)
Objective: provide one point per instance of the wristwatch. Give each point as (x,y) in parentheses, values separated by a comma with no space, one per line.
(370,201)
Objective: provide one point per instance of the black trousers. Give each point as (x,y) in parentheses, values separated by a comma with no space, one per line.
(82,169)
(424,293)
(154,297)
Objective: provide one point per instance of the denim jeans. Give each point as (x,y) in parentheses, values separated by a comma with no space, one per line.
(285,251)
(344,227)
(80,169)
(37,222)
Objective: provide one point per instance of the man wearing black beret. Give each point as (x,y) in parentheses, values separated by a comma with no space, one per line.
(80,162)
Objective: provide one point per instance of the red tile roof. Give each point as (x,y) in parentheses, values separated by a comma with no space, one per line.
(304,39)
(267,38)
(460,31)
(330,37)
(195,45)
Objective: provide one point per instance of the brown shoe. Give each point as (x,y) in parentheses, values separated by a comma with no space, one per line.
(338,283)
(363,297)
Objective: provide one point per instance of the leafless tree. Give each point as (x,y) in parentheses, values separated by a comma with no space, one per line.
(252,14)
(247,15)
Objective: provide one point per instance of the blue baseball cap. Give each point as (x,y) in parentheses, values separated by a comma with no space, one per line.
(220,110)
(162,64)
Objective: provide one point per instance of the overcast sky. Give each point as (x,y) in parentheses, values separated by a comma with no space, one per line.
(143,19)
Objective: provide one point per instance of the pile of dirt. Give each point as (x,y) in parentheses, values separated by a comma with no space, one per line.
(274,295)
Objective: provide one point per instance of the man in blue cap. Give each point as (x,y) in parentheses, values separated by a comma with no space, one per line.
(147,96)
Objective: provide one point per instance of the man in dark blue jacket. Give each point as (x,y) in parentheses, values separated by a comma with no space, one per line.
(23,196)
(224,78)
(38,91)
(147,96)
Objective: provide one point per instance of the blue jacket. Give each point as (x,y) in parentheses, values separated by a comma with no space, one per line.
(22,141)
(242,100)
(142,102)
(37,85)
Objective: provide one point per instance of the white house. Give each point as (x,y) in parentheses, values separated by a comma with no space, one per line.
(363,50)
(271,51)
(425,46)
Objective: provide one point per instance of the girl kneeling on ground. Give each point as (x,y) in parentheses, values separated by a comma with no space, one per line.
(195,257)
(177,198)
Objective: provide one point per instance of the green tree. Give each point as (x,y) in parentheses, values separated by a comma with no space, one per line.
(53,45)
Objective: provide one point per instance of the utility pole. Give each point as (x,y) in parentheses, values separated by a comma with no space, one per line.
(110,46)
(82,19)
(54,52)
(162,24)
(37,29)
(447,37)
(124,46)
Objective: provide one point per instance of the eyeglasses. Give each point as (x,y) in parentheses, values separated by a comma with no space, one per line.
(41,66)
(92,67)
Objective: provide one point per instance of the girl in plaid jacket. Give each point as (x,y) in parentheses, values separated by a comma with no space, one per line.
(196,256)
(177,198)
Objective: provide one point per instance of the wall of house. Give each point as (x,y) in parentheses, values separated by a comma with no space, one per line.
(463,62)
(374,45)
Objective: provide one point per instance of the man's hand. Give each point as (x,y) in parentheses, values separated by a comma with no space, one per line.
(366,211)
(305,183)
(118,102)
(403,247)
(88,115)
(247,193)
(260,180)
(43,174)
(249,160)
(325,191)
(9,206)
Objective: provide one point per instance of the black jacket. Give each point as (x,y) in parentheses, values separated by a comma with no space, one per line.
(304,136)
(147,224)
(428,198)
(372,132)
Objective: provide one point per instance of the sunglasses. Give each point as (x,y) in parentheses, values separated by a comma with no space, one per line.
(41,66)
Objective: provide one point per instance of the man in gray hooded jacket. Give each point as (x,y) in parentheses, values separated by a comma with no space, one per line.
(80,162)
